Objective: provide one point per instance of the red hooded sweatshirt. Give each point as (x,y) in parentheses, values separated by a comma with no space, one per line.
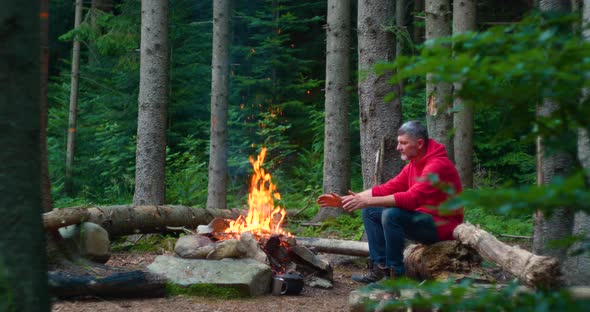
(413,191)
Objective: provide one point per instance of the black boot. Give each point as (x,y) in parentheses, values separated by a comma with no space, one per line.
(376,273)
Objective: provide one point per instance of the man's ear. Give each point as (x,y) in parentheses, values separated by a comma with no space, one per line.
(420,143)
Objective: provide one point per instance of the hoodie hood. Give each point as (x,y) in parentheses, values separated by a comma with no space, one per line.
(434,150)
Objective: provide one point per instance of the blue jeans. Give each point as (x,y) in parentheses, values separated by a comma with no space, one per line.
(388,227)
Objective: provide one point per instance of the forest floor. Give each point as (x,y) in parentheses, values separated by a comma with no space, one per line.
(311,299)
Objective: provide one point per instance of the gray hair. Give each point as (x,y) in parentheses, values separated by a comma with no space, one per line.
(414,129)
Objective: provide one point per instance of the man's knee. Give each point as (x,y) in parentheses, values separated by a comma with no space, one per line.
(373,213)
(393,215)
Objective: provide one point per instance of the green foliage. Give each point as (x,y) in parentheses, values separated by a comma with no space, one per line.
(6,292)
(151,243)
(497,224)
(448,296)
(525,200)
(205,290)
(186,174)
(514,67)
(343,227)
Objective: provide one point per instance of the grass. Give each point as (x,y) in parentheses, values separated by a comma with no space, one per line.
(147,243)
(205,290)
(499,224)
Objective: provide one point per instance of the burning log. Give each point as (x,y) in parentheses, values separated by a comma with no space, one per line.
(533,270)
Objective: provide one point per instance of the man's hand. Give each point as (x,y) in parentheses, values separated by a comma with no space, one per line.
(353,202)
(330,200)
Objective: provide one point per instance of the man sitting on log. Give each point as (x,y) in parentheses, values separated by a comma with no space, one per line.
(405,206)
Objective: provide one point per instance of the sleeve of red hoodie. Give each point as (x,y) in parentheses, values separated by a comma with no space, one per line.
(420,192)
(398,184)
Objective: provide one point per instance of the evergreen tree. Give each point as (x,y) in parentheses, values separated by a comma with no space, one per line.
(150,161)
(217,186)
(23,265)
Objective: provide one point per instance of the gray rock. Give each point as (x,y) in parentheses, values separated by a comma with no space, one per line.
(231,248)
(194,246)
(248,276)
(204,229)
(252,248)
(89,240)
(319,282)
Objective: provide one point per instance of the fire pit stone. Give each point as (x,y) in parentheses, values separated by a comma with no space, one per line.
(248,276)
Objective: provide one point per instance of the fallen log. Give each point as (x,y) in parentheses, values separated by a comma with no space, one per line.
(436,261)
(133,284)
(129,219)
(532,270)
(442,260)
(335,246)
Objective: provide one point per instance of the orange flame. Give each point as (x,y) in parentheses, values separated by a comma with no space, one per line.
(263,217)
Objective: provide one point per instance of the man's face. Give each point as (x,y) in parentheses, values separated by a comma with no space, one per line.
(408,147)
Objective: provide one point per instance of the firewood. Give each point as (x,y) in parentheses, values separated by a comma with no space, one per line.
(136,284)
(129,219)
(531,269)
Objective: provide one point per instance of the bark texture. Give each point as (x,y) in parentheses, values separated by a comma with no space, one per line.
(137,284)
(577,268)
(150,161)
(129,219)
(552,164)
(217,185)
(336,246)
(436,261)
(464,12)
(532,270)
(73,111)
(379,120)
(23,266)
(418,31)
(336,177)
(439,261)
(438,118)
(400,40)
(46,201)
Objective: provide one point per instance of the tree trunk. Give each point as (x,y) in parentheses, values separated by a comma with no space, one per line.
(438,118)
(217,186)
(150,175)
(23,266)
(337,131)
(129,219)
(418,31)
(73,113)
(552,164)
(577,268)
(463,21)
(46,201)
(532,270)
(379,120)
(400,41)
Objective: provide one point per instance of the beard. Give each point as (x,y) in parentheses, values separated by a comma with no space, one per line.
(404,157)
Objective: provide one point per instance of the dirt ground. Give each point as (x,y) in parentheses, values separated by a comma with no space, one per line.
(311,299)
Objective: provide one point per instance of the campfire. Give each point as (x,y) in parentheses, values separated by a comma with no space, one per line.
(264,218)
(257,234)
